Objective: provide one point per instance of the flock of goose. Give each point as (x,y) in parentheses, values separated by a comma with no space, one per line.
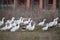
(13,25)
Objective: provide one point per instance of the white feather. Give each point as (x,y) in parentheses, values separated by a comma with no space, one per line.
(42,23)
(46,27)
(54,23)
(32,27)
(26,22)
(15,28)
(2,22)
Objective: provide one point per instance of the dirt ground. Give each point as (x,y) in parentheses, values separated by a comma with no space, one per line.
(29,36)
(51,34)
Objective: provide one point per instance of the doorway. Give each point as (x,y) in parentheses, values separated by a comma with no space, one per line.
(50,4)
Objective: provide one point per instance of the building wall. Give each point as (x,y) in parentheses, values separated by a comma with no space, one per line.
(35,14)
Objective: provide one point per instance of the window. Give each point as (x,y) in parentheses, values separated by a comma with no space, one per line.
(7,1)
(50,1)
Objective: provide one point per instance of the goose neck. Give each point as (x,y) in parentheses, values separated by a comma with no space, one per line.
(2,19)
(43,20)
(29,19)
(34,24)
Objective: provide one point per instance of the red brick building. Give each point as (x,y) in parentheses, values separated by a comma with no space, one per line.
(42,3)
(18,8)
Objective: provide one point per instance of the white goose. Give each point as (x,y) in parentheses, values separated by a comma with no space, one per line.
(2,22)
(11,23)
(29,25)
(14,23)
(15,28)
(20,20)
(46,27)
(32,27)
(26,22)
(6,26)
(42,23)
(54,23)
(7,22)
(56,18)
(12,20)
(9,26)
